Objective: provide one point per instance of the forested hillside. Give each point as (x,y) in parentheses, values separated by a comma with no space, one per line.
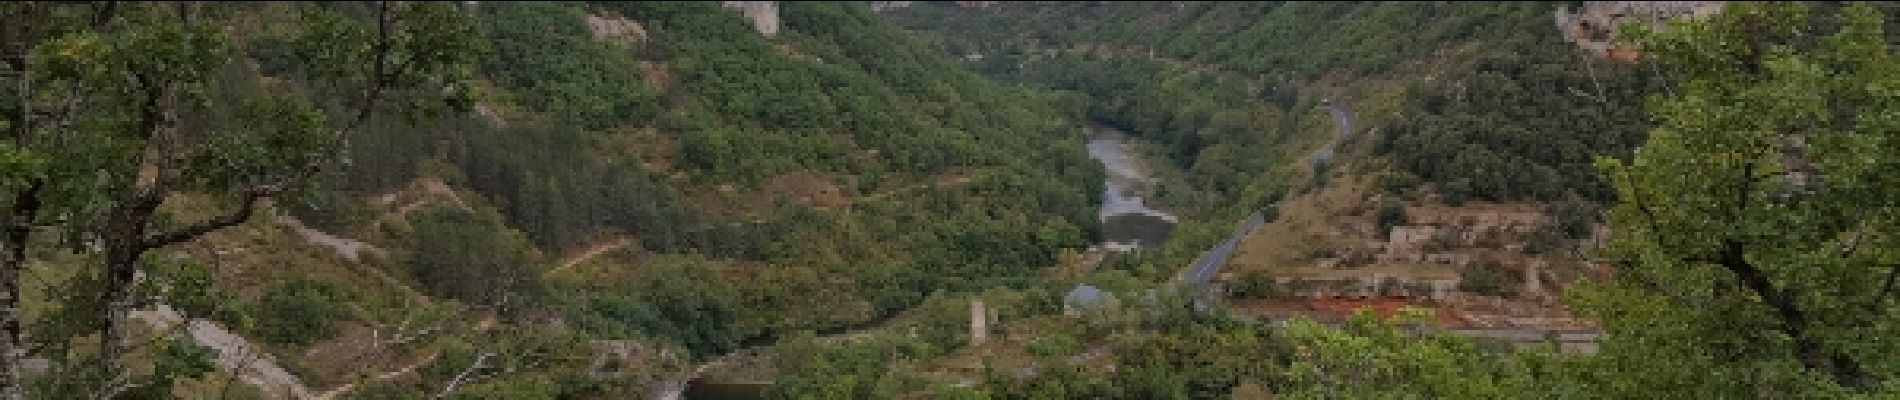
(686,183)
(816,200)
(1475,150)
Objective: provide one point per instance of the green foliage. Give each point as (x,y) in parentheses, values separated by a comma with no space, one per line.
(1737,277)
(190,287)
(176,359)
(686,302)
(428,74)
(547,185)
(1521,123)
(872,368)
(540,362)
(1370,358)
(545,54)
(1573,219)
(300,311)
(1391,213)
(1255,284)
(472,257)
(1052,346)
(1488,278)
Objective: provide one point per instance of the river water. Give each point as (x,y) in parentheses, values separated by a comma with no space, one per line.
(1127,221)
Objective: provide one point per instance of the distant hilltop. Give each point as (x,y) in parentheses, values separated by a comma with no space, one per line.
(1593,26)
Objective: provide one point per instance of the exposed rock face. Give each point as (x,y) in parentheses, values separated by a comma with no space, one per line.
(881,6)
(764,14)
(1593,26)
(621,31)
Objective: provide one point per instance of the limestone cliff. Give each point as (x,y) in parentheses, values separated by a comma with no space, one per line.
(763,14)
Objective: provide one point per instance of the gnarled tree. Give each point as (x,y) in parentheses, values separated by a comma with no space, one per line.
(142,120)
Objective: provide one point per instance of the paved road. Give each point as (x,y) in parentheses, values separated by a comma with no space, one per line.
(1204,268)
(1342,119)
(1210,262)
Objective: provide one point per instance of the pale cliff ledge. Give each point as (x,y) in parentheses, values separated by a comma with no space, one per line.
(617,30)
(763,14)
(1593,26)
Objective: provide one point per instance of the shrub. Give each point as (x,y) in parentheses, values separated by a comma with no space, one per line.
(299,311)
(1487,278)
(1255,285)
(1051,346)
(1391,214)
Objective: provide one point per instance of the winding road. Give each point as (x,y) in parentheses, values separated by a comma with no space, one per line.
(1210,262)
(1203,269)
(1342,120)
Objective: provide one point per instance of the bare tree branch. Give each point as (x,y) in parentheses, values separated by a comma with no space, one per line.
(243,213)
(462,377)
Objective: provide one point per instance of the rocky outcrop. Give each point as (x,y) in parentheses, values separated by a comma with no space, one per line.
(763,14)
(1593,26)
(620,31)
(882,6)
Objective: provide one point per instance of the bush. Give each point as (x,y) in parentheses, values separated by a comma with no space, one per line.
(299,311)
(1487,278)
(1255,285)
(1544,240)
(1398,183)
(1391,214)
(1051,346)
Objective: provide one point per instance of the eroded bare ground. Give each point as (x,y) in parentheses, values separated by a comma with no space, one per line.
(591,251)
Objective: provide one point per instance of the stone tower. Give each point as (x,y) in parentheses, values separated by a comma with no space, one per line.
(979,325)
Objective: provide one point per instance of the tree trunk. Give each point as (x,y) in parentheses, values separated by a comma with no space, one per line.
(123,247)
(26,207)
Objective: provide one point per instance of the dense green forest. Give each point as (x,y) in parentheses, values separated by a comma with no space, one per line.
(859,102)
(750,112)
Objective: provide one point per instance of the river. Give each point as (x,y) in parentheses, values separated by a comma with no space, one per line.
(1127,221)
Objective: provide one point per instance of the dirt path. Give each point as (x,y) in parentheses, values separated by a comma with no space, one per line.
(591,252)
(237,356)
(427,190)
(959,180)
(348,248)
(347,387)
